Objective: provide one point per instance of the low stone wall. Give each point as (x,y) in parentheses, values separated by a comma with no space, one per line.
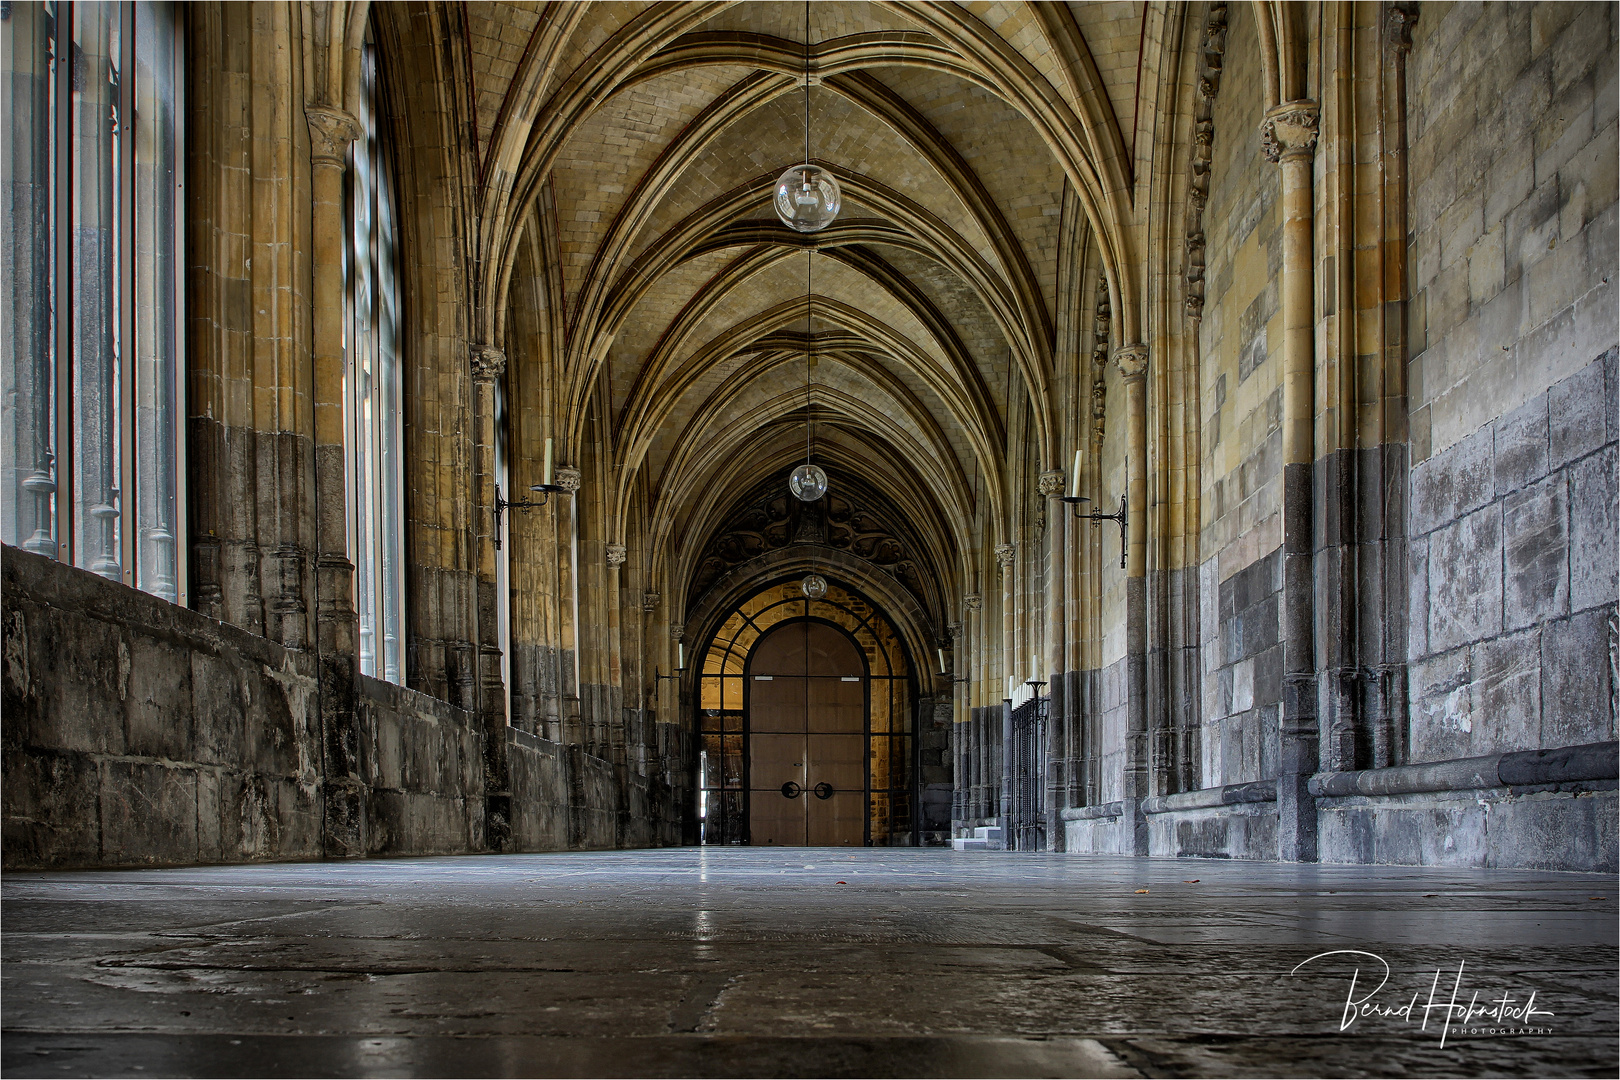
(136,732)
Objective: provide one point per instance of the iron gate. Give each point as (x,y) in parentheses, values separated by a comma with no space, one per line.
(1027,759)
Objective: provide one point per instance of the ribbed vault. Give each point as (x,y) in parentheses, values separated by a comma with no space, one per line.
(626,157)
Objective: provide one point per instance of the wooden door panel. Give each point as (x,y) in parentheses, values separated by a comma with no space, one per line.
(839,760)
(774,760)
(839,821)
(775,820)
(835,705)
(777,704)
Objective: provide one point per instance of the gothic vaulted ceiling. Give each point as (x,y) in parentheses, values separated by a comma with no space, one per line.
(635,147)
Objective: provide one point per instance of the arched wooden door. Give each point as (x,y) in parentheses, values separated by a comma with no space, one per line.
(807,733)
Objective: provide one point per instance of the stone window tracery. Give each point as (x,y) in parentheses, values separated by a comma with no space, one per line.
(91,227)
(373,391)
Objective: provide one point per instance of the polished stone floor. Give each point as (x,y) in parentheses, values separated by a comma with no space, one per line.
(806,963)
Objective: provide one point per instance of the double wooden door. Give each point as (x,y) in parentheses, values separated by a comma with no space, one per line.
(807,738)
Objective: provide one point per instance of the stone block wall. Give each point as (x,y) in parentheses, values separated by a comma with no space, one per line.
(137,732)
(423,769)
(1513,159)
(1513,580)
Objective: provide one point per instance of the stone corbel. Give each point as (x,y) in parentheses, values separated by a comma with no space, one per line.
(1005,553)
(973,602)
(488,363)
(1289,131)
(567,478)
(1050,484)
(955,631)
(676,631)
(330,133)
(615,556)
(649,602)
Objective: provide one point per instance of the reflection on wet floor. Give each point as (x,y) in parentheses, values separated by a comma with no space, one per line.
(801,962)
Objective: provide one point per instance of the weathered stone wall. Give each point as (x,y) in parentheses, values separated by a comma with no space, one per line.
(423,767)
(1513,578)
(1240,343)
(1512,386)
(139,732)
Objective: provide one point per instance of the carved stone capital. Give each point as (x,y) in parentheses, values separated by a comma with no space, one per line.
(973,601)
(615,556)
(488,363)
(330,133)
(1050,484)
(676,631)
(1289,131)
(1398,20)
(649,602)
(1005,553)
(955,630)
(1132,361)
(567,478)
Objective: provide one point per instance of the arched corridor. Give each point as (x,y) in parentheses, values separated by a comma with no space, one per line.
(1175,440)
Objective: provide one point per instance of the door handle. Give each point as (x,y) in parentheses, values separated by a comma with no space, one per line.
(823,790)
(790,790)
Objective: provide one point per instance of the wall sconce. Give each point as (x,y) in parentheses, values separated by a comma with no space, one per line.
(1096,517)
(680,663)
(546,488)
(1035,679)
(942,673)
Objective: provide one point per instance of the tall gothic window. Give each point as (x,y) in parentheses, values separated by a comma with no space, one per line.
(90,227)
(373,388)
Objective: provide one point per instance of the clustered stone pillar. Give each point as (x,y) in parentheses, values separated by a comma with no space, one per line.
(1057,514)
(1288,135)
(488,365)
(615,649)
(1132,362)
(1001,759)
(332,132)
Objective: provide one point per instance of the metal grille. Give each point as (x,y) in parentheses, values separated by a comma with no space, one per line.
(1025,817)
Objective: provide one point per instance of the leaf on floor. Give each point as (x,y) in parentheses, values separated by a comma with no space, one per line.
(1141,890)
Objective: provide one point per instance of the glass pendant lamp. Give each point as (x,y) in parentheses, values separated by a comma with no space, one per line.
(807,196)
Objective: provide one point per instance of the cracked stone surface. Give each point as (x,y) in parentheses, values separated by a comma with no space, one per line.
(802,962)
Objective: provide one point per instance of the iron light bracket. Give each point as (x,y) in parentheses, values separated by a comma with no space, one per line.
(1097,517)
(501,505)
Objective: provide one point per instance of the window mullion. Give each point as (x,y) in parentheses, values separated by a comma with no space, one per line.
(125,350)
(63,278)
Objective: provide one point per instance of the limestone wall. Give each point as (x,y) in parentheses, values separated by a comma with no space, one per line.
(139,732)
(1512,377)
(1241,382)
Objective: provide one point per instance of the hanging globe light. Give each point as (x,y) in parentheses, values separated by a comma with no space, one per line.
(807,198)
(814,586)
(808,483)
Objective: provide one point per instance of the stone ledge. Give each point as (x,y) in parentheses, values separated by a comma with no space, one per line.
(1260,791)
(1088,813)
(1525,768)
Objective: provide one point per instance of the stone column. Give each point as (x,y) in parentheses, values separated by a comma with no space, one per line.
(331,132)
(973,605)
(1057,528)
(1132,362)
(1007,559)
(569,729)
(615,650)
(488,367)
(1289,137)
